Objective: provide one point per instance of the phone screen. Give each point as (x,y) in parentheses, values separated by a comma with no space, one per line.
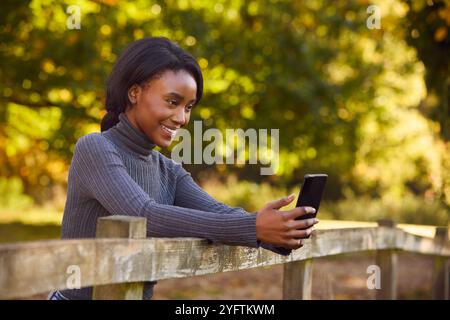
(311,193)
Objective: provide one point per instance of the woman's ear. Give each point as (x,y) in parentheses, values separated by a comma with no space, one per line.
(133,93)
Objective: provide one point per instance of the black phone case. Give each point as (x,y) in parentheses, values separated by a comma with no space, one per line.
(311,193)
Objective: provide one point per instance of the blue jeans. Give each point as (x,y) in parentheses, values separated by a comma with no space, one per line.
(56,295)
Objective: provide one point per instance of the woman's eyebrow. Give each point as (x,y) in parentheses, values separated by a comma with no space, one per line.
(178,96)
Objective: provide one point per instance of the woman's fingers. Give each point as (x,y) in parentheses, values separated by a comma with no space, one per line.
(301,234)
(277,204)
(303,224)
(301,230)
(282,227)
(295,243)
(298,212)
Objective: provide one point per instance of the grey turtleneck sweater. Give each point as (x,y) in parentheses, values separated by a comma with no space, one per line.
(117,172)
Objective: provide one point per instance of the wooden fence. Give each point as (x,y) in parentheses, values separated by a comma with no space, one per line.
(121,257)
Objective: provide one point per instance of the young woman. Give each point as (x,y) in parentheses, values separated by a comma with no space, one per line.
(150,94)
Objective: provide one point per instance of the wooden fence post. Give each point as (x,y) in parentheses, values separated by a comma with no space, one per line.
(386,260)
(297,280)
(441,269)
(120,227)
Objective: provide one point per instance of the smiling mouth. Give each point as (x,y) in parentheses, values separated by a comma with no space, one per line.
(170,131)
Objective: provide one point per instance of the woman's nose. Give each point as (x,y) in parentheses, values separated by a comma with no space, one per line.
(180,117)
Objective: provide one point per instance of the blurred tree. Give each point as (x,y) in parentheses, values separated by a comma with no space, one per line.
(345,97)
(427,30)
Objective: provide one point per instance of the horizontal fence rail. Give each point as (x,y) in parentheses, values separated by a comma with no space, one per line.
(121,258)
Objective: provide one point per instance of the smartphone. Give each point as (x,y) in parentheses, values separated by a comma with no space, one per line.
(311,193)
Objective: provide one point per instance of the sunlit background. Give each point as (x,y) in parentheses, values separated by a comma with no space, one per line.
(368,106)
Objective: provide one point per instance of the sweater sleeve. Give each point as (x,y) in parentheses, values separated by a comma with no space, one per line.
(101,174)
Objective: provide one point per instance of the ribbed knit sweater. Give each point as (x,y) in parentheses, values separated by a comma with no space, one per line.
(117,172)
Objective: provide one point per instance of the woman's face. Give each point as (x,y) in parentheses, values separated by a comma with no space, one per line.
(163,105)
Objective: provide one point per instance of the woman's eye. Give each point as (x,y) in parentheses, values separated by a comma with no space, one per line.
(189,107)
(173,102)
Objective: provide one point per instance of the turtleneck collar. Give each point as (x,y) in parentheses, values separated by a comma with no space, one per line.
(131,137)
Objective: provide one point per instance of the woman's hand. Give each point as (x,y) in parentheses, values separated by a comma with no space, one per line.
(280,227)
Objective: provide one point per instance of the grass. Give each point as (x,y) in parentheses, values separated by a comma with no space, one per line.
(18,232)
(31,224)
(34,216)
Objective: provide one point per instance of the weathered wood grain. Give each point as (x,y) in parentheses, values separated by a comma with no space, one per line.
(297,280)
(120,227)
(441,269)
(387,261)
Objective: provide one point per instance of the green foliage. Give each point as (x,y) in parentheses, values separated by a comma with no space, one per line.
(410,209)
(12,196)
(427,29)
